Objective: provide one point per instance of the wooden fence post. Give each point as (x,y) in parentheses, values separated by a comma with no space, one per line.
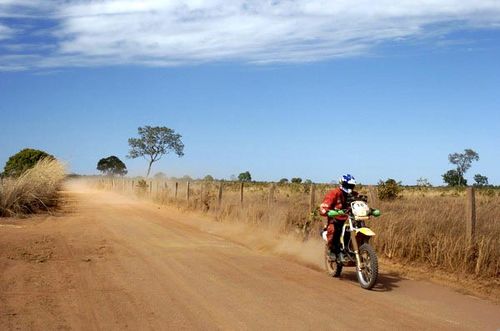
(470,213)
(187,192)
(241,193)
(219,196)
(372,195)
(270,199)
(176,189)
(312,198)
(201,192)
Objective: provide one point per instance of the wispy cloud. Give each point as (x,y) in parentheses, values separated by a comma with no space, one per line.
(169,33)
(5,32)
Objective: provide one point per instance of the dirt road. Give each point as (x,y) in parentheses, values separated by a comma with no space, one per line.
(110,262)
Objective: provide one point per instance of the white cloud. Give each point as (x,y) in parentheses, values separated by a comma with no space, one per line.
(162,33)
(5,32)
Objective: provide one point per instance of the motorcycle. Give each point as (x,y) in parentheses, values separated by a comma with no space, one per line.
(355,249)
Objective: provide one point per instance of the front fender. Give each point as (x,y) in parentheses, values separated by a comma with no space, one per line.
(366,231)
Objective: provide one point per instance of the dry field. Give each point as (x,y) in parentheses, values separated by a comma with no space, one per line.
(424,228)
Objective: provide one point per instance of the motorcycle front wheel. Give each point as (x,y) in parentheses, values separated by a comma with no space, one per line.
(368,271)
(333,268)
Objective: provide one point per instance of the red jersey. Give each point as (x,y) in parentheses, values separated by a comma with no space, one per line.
(335,199)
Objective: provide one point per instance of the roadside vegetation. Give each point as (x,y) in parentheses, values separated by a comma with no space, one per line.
(421,225)
(30,183)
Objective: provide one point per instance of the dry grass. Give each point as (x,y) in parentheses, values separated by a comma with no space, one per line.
(423,227)
(34,190)
(430,229)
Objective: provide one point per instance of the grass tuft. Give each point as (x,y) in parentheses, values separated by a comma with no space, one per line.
(35,190)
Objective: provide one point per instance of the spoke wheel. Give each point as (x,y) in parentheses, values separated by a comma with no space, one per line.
(368,274)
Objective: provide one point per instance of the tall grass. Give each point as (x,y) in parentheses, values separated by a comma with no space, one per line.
(35,190)
(430,230)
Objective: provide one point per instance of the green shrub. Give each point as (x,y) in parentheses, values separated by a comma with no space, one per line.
(26,159)
(389,190)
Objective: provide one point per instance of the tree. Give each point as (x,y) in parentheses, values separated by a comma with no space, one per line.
(160,175)
(423,182)
(453,178)
(186,178)
(388,190)
(245,177)
(112,166)
(296,180)
(208,178)
(308,181)
(24,160)
(283,181)
(480,180)
(463,162)
(154,142)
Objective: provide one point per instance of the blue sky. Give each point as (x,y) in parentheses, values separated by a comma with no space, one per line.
(291,91)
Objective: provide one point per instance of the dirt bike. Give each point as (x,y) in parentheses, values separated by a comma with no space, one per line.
(355,250)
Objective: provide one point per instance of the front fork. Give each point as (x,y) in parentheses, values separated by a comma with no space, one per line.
(354,242)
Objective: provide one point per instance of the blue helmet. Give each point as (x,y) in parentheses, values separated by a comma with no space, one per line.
(347,183)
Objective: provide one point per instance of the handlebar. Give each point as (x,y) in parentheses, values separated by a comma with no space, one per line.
(335,212)
(339,212)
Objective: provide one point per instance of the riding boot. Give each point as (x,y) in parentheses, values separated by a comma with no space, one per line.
(331,253)
(337,252)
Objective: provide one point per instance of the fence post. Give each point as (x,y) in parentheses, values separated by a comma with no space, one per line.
(241,193)
(312,198)
(132,186)
(187,192)
(270,199)
(201,192)
(219,196)
(176,189)
(372,195)
(150,187)
(470,213)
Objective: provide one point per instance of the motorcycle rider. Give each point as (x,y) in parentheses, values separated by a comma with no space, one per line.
(337,199)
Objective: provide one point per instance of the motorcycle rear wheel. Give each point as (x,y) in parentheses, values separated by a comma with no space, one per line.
(367,276)
(333,268)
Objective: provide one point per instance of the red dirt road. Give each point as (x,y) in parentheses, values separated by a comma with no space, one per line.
(114,263)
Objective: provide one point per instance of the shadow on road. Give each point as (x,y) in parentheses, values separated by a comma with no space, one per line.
(386,282)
